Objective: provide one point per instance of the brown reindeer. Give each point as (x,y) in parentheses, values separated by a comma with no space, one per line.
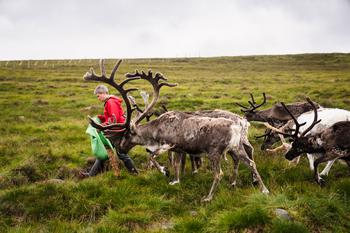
(275,116)
(176,131)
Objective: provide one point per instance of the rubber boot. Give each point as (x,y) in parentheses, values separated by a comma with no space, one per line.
(129,164)
(131,167)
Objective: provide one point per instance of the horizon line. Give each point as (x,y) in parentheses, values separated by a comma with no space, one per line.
(175,57)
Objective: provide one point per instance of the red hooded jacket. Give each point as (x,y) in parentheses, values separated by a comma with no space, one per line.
(112,107)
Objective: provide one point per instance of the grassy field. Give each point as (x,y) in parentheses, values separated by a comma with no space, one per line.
(44,108)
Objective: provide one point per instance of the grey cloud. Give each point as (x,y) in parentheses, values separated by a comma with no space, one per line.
(39,29)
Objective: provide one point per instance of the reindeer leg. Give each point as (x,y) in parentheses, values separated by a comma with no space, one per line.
(327,168)
(183,163)
(235,168)
(249,151)
(150,164)
(317,177)
(193,164)
(225,157)
(218,174)
(171,158)
(177,163)
(160,168)
(311,161)
(329,155)
(295,161)
(198,160)
(251,164)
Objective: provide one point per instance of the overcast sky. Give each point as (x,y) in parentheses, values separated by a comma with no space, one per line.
(43,29)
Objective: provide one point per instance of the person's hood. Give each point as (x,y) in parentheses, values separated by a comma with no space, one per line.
(116,98)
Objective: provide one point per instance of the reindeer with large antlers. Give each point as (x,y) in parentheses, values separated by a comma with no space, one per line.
(329,142)
(176,131)
(177,160)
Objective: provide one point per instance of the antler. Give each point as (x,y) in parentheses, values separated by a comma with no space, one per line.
(253,105)
(91,76)
(156,84)
(144,96)
(268,132)
(277,130)
(314,122)
(297,125)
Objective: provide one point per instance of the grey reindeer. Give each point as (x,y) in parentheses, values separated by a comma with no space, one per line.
(217,113)
(176,131)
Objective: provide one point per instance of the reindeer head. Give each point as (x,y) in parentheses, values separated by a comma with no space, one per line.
(299,146)
(269,138)
(124,134)
(299,143)
(250,112)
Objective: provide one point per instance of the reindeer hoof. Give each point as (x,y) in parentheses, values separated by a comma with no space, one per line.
(265,191)
(174,182)
(207,199)
(165,171)
(255,182)
(233,184)
(321,182)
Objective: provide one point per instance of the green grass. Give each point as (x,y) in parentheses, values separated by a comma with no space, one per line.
(44,108)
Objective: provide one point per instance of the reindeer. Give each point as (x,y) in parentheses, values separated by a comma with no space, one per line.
(175,131)
(330,142)
(178,160)
(275,116)
(329,116)
(217,113)
(175,159)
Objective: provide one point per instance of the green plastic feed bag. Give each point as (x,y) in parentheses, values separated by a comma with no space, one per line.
(98,142)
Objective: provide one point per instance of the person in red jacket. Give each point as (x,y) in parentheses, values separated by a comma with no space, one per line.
(112,111)
(112,106)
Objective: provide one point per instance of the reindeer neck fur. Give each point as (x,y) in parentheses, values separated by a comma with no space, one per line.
(315,144)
